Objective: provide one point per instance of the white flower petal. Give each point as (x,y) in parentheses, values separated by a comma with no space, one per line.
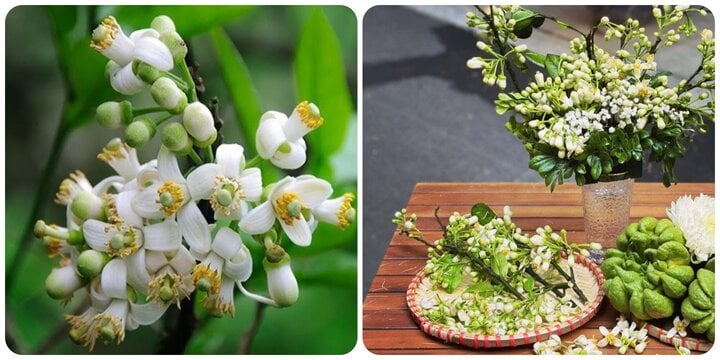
(182,262)
(141,33)
(292,160)
(251,182)
(226,243)
(104,186)
(168,167)
(269,135)
(312,192)
(327,212)
(97,234)
(148,313)
(282,285)
(163,236)
(137,273)
(113,280)
(231,158)
(259,219)
(153,52)
(239,267)
(236,214)
(145,203)
(125,82)
(100,300)
(201,182)
(299,232)
(123,204)
(155,260)
(194,228)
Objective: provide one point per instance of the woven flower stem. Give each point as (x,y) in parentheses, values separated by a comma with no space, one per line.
(570,278)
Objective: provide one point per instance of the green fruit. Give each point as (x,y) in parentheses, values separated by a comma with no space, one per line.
(711,332)
(662,225)
(650,254)
(706,279)
(616,293)
(710,265)
(631,230)
(701,326)
(640,241)
(692,313)
(637,307)
(608,266)
(611,253)
(622,242)
(672,287)
(674,253)
(699,298)
(627,276)
(673,234)
(633,266)
(647,224)
(656,305)
(684,273)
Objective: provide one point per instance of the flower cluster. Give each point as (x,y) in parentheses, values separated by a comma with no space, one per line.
(624,336)
(486,276)
(696,218)
(554,346)
(595,112)
(148,237)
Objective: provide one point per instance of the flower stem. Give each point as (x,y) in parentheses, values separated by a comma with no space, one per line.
(178,335)
(254,161)
(486,269)
(147,110)
(249,334)
(182,84)
(162,119)
(570,278)
(195,157)
(209,154)
(187,77)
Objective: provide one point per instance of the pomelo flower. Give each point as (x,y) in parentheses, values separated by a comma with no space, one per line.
(280,138)
(291,202)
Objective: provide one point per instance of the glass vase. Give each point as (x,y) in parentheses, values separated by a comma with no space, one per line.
(606,208)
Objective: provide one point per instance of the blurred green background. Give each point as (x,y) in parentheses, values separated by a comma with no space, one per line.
(253,59)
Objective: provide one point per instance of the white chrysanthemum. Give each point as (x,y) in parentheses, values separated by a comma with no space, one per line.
(696,218)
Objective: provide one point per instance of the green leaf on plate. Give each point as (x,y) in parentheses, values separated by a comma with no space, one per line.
(552,65)
(483,212)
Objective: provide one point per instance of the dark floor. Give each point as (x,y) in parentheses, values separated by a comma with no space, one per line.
(426,117)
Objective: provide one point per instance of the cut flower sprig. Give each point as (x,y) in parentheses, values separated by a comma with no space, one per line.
(483,254)
(595,112)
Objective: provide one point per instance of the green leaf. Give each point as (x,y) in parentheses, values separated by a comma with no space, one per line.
(595,166)
(543,163)
(320,79)
(523,22)
(483,212)
(482,288)
(535,58)
(499,264)
(552,65)
(528,284)
(580,179)
(239,85)
(189,20)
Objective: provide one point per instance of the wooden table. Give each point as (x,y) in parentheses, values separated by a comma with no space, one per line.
(388,327)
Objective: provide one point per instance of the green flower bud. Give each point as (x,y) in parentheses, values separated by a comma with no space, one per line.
(163,24)
(167,94)
(176,44)
(146,72)
(86,205)
(208,142)
(176,139)
(114,114)
(75,238)
(198,122)
(282,285)
(91,262)
(140,132)
(62,283)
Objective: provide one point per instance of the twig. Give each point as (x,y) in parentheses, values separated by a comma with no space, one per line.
(249,334)
(486,269)
(437,218)
(491,22)
(553,287)
(177,337)
(570,278)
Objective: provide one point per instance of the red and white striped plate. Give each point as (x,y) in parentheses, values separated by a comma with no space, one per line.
(476,340)
(661,334)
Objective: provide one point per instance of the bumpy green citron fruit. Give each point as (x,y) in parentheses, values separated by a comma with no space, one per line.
(692,313)
(609,265)
(647,224)
(710,265)
(662,225)
(637,307)
(673,253)
(706,279)
(699,298)
(616,293)
(672,287)
(684,273)
(711,332)
(622,242)
(671,234)
(657,306)
(703,325)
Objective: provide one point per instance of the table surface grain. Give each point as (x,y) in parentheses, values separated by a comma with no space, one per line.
(388,327)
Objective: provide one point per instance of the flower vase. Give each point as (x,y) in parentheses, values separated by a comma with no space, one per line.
(606,208)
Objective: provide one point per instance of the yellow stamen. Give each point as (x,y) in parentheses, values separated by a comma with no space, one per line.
(107,321)
(53,245)
(175,193)
(114,150)
(281,207)
(69,187)
(226,186)
(309,115)
(346,212)
(203,271)
(111,210)
(123,243)
(216,306)
(650,58)
(172,284)
(104,35)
